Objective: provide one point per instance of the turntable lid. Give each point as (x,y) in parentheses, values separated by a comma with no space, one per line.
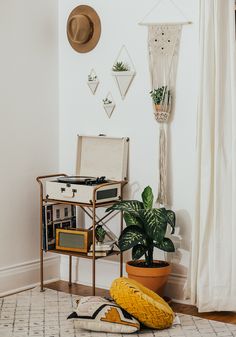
(102,156)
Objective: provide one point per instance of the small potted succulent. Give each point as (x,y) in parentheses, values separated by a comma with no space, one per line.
(107,101)
(146,229)
(92,78)
(120,66)
(161,98)
(123,75)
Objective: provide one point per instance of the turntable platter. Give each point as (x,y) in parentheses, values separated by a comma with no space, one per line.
(74,179)
(82,180)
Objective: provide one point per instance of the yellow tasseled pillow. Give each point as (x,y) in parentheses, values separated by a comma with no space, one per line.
(145,305)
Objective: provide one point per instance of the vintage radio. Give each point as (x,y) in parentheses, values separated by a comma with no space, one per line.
(75,240)
(101,171)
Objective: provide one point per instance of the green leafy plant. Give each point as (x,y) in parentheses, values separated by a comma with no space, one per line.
(120,66)
(92,78)
(160,95)
(100,233)
(146,227)
(106,101)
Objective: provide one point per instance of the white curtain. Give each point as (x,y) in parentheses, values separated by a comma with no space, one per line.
(213,268)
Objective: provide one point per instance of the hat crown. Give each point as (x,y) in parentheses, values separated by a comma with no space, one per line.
(83,28)
(80,28)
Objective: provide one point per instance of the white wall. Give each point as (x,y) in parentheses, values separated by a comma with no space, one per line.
(82,113)
(28,133)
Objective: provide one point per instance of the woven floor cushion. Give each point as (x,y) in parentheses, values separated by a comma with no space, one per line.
(142,303)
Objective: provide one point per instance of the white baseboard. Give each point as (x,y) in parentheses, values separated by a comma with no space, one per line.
(107,271)
(26,275)
(176,288)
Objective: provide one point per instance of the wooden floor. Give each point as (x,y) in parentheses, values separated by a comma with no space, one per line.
(227,317)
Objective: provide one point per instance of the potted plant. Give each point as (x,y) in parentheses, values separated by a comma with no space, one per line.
(92,78)
(124,76)
(107,101)
(120,66)
(145,230)
(100,234)
(161,98)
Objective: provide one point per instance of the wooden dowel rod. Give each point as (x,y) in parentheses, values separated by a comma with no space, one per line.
(164,23)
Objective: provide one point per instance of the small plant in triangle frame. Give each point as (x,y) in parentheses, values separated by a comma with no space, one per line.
(123,71)
(109,104)
(93,81)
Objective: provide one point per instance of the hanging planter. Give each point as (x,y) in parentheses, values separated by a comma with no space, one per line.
(109,104)
(164,37)
(93,81)
(162,101)
(123,80)
(123,72)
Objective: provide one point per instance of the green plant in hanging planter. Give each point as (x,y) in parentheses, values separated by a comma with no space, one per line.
(92,78)
(146,227)
(120,66)
(161,95)
(107,101)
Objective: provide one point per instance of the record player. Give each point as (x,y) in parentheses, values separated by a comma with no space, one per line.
(101,172)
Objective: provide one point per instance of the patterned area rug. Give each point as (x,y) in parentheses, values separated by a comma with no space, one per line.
(32,313)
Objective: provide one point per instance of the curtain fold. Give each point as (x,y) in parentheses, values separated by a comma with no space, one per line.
(213,265)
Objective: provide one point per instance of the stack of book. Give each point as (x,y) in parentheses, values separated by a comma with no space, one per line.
(102,249)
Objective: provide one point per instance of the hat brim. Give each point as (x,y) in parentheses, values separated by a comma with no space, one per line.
(93,16)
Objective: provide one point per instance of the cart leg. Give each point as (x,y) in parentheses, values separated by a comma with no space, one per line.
(121,264)
(70,271)
(94,241)
(94,271)
(41,237)
(41,270)
(121,254)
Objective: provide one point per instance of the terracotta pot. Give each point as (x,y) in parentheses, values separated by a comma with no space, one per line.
(152,278)
(158,107)
(161,115)
(162,108)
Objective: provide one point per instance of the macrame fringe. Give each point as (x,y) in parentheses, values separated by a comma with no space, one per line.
(162,188)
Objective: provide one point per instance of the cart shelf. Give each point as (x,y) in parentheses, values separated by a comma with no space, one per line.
(83,255)
(97,205)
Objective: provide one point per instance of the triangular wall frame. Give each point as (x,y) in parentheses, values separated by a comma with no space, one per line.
(124,78)
(93,81)
(109,104)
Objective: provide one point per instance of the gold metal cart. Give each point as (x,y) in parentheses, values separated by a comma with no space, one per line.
(90,210)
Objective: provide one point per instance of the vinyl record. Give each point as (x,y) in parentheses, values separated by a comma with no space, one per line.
(74,179)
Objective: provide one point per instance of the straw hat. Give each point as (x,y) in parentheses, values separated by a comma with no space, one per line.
(83,28)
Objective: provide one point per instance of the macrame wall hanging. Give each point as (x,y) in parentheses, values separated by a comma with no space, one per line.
(163,48)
